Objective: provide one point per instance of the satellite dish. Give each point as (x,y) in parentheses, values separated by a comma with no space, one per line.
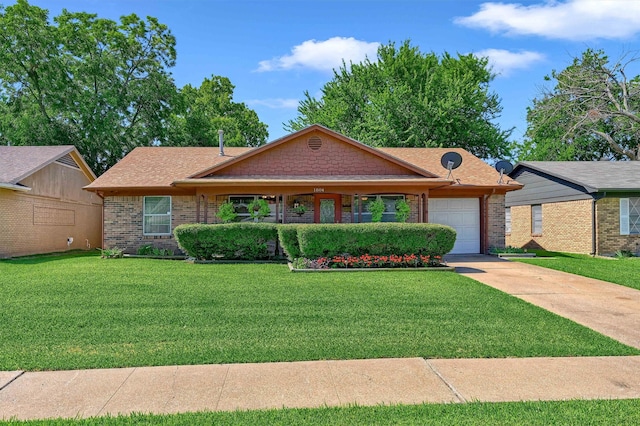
(503,166)
(451,160)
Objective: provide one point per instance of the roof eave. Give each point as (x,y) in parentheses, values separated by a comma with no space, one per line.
(14,187)
(297,182)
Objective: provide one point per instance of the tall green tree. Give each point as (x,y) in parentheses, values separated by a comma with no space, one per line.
(592,113)
(409,99)
(202,111)
(100,85)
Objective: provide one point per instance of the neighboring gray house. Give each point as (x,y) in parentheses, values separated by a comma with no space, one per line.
(588,207)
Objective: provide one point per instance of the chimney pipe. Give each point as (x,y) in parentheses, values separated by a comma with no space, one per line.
(221,142)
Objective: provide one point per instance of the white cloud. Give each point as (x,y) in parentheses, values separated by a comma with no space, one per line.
(503,62)
(275,103)
(323,55)
(577,20)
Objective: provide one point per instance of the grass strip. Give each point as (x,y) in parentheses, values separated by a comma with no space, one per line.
(576,412)
(623,271)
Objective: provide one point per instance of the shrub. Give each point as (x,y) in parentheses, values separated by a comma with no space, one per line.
(376,208)
(242,240)
(112,253)
(428,239)
(402,211)
(288,237)
(150,250)
(259,209)
(227,212)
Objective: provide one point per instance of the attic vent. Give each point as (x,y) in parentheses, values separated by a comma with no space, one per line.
(67,160)
(314,143)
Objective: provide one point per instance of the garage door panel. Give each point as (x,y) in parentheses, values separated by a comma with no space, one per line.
(462,214)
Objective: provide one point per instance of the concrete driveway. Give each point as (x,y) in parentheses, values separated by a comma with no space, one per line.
(610,309)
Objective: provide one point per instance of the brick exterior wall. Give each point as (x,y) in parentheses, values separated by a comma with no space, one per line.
(495,221)
(608,229)
(34,224)
(566,226)
(123,222)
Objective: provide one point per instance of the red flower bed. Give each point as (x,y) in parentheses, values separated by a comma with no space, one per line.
(370,261)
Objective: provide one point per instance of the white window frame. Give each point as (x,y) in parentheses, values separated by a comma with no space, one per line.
(629,216)
(145,215)
(534,230)
(358,218)
(507,220)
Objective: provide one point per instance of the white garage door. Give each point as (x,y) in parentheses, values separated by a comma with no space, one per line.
(463,215)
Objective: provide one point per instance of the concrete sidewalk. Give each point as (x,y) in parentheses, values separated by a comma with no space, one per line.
(608,308)
(87,393)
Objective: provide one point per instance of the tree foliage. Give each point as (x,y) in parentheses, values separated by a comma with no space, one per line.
(592,113)
(410,99)
(105,87)
(93,83)
(202,111)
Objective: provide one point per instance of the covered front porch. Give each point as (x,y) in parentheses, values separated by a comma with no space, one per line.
(323,201)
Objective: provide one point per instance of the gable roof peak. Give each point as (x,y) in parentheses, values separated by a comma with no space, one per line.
(315,128)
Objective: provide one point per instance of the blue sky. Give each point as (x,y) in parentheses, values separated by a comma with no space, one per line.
(273,51)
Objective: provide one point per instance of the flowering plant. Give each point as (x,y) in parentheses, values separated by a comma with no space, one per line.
(370,261)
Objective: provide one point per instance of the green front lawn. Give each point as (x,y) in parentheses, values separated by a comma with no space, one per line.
(623,271)
(71,312)
(609,412)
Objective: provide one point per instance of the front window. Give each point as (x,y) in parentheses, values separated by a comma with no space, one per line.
(389,214)
(536,219)
(241,205)
(507,220)
(630,216)
(157,216)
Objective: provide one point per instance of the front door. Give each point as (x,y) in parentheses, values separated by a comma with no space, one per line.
(327,208)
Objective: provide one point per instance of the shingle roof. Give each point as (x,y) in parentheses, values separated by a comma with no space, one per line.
(164,167)
(19,162)
(472,171)
(593,175)
(158,167)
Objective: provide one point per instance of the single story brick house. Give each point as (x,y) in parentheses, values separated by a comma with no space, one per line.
(590,207)
(154,189)
(42,204)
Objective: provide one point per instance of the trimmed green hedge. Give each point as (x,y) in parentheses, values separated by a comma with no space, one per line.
(288,238)
(247,241)
(314,241)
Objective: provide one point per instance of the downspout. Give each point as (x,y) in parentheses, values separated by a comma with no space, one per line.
(593,222)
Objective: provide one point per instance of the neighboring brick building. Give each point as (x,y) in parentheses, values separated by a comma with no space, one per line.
(154,189)
(575,206)
(42,204)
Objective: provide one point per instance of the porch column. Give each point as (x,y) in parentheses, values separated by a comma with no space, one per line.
(425,206)
(206,207)
(353,203)
(197,208)
(285,201)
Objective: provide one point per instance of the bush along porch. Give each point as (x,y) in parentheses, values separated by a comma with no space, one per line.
(366,245)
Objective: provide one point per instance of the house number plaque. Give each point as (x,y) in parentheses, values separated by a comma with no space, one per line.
(318,189)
